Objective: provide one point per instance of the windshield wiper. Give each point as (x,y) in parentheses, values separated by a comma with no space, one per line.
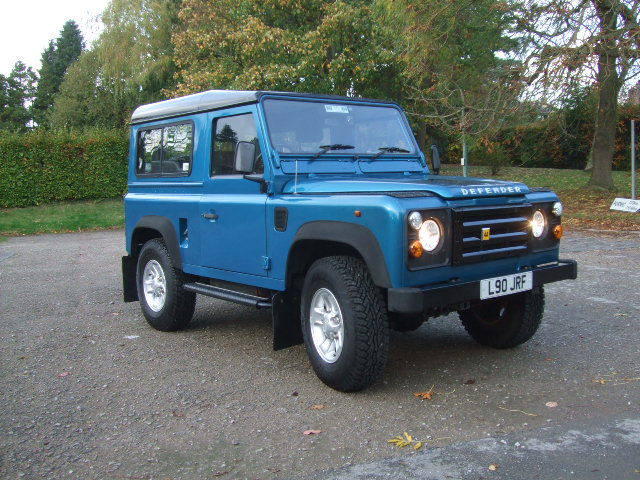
(334,146)
(384,150)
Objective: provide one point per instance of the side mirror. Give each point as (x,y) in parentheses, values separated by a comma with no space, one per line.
(245,157)
(435,159)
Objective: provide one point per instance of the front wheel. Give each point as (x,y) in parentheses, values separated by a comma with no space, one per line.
(344,323)
(507,321)
(165,304)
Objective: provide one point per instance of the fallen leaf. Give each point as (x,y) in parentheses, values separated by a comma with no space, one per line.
(493,467)
(219,474)
(424,395)
(311,432)
(548,359)
(317,407)
(551,404)
(178,414)
(398,441)
(294,394)
(273,469)
(471,381)
(64,374)
(417,446)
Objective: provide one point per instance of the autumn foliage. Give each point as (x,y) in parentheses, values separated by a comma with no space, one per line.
(291,45)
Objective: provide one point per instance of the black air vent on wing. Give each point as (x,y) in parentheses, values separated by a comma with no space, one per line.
(281,218)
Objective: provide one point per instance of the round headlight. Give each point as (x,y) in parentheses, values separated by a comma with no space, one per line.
(430,235)
(557,209)
(538,224)
(415,220)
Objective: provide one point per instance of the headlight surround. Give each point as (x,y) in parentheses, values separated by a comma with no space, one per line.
(429,241)
(545,236)
(430,235)
(538,224)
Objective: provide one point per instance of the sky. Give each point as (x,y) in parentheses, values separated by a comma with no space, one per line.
(26,26)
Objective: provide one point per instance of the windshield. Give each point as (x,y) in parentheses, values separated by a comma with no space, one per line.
(310,127)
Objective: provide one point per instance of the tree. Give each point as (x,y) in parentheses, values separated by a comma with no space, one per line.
(47,85)
(18,90)
(56,60)
(135,50)
(583,42)
(130,63)
(83,101)
(454,61)
(306,46)
(4,98)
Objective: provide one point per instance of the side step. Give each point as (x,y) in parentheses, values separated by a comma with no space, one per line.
(229,295)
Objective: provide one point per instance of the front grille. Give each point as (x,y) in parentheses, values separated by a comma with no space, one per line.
(509,233)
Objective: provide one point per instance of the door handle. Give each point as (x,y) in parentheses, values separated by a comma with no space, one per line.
(210,216)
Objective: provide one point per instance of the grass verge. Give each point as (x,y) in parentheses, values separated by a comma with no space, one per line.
(62,217)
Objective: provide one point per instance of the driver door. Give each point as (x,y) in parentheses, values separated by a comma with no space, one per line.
(232,209)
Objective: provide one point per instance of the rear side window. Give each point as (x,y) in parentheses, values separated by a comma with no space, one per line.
(165,150)
(228,131)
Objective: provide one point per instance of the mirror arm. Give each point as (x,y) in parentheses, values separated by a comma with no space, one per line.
(258,178)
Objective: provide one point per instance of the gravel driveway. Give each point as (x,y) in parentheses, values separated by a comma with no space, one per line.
(89,391)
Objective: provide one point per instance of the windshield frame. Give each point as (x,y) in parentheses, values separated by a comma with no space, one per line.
(335,105)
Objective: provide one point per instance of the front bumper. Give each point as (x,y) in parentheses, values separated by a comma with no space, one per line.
(415,300)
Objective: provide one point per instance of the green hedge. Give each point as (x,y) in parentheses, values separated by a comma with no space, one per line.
(44,167)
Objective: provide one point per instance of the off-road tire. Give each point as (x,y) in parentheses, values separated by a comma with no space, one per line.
(364,318)
(507,321)
(179,305)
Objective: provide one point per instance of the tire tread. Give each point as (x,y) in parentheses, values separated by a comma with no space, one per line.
(525,315)
(178,313)
(370,324)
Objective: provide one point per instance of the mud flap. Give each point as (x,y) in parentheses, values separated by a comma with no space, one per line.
(129,287)
(285,312)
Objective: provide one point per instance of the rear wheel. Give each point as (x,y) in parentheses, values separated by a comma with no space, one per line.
(165,304)
(507,321)
(344,323)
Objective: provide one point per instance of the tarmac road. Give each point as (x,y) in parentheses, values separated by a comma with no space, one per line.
(89,391)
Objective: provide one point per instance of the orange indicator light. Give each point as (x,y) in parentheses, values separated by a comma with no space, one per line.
(558,232)
(416,250)
(358,213)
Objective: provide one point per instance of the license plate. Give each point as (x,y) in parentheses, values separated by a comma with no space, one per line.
(499,286)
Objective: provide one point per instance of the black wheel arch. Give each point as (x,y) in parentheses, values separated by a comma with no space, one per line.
(155,226)
(323,238)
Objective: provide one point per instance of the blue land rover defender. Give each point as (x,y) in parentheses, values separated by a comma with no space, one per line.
(324,210)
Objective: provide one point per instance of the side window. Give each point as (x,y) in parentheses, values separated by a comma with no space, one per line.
(228,131)
(149,151)
(165,151)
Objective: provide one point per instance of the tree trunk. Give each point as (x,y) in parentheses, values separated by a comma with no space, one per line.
(608,83)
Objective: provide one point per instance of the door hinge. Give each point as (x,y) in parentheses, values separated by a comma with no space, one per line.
(266,263)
